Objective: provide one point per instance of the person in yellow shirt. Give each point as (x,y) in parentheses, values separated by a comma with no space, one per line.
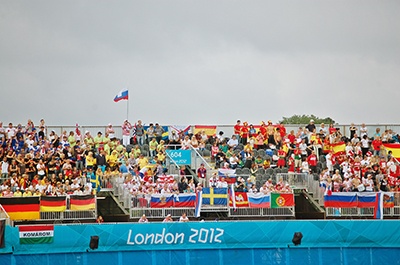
(112,160)
(142,161)
(90,161)
(136,151)
(153,147)
(98,141)
(17,193)
(27,193)
(71,139)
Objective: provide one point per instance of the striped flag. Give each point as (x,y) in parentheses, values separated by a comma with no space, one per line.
(53,203)
(123,95)
(82,202)
(21,208)
(395,148)
(210,130)
(199,202)
(259,200)
(36,234)
(338,148)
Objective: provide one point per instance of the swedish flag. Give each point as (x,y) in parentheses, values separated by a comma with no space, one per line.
(212,196)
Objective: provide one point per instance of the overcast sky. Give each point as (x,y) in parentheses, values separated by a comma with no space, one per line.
(199,62)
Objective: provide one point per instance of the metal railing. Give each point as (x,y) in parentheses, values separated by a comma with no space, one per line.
(69,215)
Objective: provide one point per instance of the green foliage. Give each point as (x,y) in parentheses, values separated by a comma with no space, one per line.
(305,119)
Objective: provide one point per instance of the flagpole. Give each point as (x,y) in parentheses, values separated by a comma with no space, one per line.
(127,107)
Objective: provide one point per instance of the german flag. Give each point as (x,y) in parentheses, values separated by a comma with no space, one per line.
(395,148)
(53,203)
(338,148)
(210,130)
(82,202)
(21,208)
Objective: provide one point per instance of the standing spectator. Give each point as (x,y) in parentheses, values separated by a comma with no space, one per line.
(237,129)
(312,162)
(158,131)
(364,145)
(353,130)
(376,145)
(202,174)
(110,131)
(244,133)
(363,130)
(310,128)
(150,132)
(140,133)
(126,132)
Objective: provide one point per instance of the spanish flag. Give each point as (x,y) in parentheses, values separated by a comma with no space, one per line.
(338,148)
(82,202)
(210,130)
(53,203)
(21,208)
(395,148)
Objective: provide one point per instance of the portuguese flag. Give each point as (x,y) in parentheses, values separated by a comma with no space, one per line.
(282,200)
(36,234)
(53,203)
(82,202)
(21,208)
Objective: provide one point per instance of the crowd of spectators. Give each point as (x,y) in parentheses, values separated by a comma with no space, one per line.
(35,161)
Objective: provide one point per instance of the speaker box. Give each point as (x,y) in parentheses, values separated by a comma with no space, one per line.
(297,238)
(94,242)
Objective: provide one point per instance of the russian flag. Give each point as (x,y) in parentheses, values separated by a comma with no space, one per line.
(228,174)
(259,200)
(123,95)
(161,201)
(199,202)
(185,200)
(366,199)
(341,200)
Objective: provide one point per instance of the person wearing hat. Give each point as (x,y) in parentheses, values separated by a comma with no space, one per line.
(17,192)
(168,219)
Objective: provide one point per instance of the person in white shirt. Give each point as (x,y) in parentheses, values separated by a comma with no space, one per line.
(363,130)
(305,168)
(184,218)
(233,142)
(222,183)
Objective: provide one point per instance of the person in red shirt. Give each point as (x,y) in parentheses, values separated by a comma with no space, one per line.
(244,133)
(292,137)
(263,129)
(282,158)
(282,129)
(376,145)
(237,129)
(312,162)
